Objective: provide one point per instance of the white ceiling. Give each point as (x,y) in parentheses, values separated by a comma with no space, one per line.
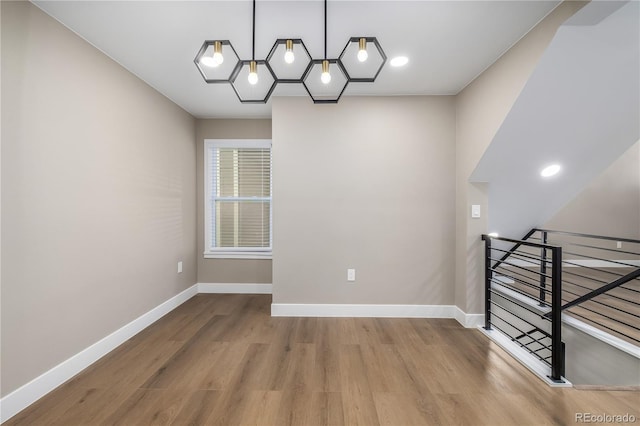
(449,43)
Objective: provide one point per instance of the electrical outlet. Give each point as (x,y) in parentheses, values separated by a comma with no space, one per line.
(180,267)
(618,244)
(351,274)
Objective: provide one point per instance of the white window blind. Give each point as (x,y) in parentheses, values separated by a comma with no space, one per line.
(239,197)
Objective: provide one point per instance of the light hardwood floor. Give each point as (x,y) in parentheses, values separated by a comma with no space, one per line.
(222,360)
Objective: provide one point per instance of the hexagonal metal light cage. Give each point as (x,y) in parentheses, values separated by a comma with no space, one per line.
(308,73)
(305,73)
(295,42)
(236,73)
(202,70)
(350,75)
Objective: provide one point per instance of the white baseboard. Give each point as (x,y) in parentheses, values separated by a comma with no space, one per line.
(27,394)
(367,311)
(234,288)
(468,320)
(376,311)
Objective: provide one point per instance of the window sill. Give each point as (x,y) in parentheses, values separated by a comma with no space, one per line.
(265,255)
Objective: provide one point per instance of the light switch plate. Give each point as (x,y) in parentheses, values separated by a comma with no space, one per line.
(351,274)
(475,211)
(180,267)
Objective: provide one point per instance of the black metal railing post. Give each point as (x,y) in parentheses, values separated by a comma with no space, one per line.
(557,361)
(487,282)
(543,269)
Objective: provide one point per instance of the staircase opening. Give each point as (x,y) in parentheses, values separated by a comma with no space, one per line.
(534,284)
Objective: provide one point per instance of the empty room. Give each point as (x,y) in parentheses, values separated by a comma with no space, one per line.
(319,212)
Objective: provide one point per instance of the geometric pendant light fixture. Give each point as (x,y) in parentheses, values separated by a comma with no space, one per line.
(289,62)
(253,80)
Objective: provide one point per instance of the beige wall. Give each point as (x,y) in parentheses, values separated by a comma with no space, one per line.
(227,270)
(480,110)
(366,184)
(610,205)
(98,187)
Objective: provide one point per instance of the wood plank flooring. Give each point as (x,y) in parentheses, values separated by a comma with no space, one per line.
(222,360)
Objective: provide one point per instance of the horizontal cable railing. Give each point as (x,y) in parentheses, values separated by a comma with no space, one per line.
(601,277)
(517,271)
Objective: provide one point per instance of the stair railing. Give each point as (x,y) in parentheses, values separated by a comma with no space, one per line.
(529,269)
(594,270)
(585,278)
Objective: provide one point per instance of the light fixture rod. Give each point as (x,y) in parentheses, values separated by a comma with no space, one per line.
(325,29)
(253,45)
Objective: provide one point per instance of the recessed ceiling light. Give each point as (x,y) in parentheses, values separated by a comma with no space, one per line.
(399,61)
(550,170)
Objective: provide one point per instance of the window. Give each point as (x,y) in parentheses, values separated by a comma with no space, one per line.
(238,198)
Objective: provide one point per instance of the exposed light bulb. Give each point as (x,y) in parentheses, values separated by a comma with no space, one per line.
(216,59)
(253,73)
(289,57)
(362,52)
(325,77)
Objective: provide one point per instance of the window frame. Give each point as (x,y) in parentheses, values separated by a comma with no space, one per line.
(211,252)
